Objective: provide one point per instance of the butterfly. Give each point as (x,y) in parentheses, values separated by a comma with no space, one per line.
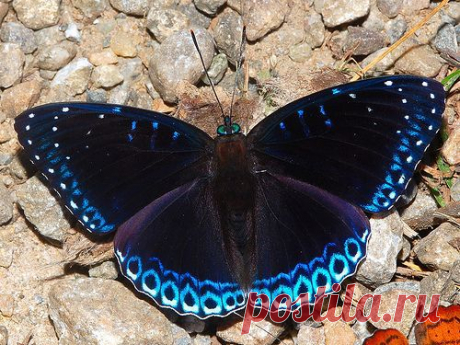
(200,222)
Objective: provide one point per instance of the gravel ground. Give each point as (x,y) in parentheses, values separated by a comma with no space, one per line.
(58,285)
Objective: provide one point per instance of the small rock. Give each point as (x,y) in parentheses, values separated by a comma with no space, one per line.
(390,8)
(72,33)
(217,69)
(42,210)
(421,60)
(48,75)
(411,7)
(300,52)
(6,252)
(6,205)
(20,97)
(19,34)
(362,332)
(176,60)
(96,96)
(209,6)
(55,57)
(315,32)
(3,11)
(375,20)
(395,28)
(3,335)
(263,333)
(451,148)
(449,291)
(49,36)
(436,251)
(133,7)
(455,191)
(90,8)
(164,23)
(419,214)
(261,17)
(338,333)
(309,334)
(162,4)
(196,17)
(106,76)
(6,305)
(180,335)
(202,340)
(446,39)
(105,57)
(106,270)
(11,68)
(74,77)
(363,41)
(227,33)
(338,12)
(383,248)
(122,44)
(433,284)
(405,250)
(37,14)
(126,319)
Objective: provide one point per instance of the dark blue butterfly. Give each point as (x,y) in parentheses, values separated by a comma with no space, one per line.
(203,221)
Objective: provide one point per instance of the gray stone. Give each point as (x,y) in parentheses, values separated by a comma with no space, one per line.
(451,148)
(383,248)
(42,209)
(72,33)
(17,33)
(53,58)
(200,339)
(395,28)
(3,335)
(6,253)
(176,61)
(449,291)
(433,284)
(314,30)
(164,23)
(74,77)
(338,12)
(6,205)
(100,311)
(49,36)
(90,8)
(411,7)
(227,33)
(300,52)
(106,76)
(436,250)
(419,214)
(217,69)
(421,60)
(264,16)
(162,4)
(263,334)
(12,65)
(106,270)
(96,96)
(196,17)
(309,334)
(3,11)
(37,14)
(390,8)
(362,41)
(446,39)
(455,191)
(209,6)
(405,250)
(133,7)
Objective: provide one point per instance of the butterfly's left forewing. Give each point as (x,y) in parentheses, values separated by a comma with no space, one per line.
(107,161)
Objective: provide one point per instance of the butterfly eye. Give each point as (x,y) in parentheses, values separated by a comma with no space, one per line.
(226,130)
(221,130)
(235,128)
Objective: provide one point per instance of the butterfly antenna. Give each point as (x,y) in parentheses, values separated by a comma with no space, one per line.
(206,71)
(238,66)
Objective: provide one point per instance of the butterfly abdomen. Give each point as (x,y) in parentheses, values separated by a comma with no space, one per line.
(234,187)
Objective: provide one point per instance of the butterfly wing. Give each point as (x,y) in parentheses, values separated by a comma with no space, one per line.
(360,141)
(107,162)
(172,250)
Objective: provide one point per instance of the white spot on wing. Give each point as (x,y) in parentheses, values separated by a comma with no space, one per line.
(404,100)
(388,83)
(32,115)
(63,185)
(27,127)
(54,129)
(432,95)
(425,84)
(352,95)
(65,109)
(37,157)
(51,170)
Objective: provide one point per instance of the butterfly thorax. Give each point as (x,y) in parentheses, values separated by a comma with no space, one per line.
(234,196)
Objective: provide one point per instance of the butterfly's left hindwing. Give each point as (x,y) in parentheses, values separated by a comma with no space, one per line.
(107,161)
(360,141)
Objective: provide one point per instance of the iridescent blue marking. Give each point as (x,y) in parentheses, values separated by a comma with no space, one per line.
(188,290)
(130,137)
(117,110)
(321,109)
(155,125)
(151,290)
(282,126)
(300,113)
(133,125)
(335,91)
(175,135)
(328,123)
(129,272)
(173,302)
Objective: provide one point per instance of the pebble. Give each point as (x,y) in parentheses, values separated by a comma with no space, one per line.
(451,148)
(6,305)
(433,284)
(6,249)
(300,52)
(20,97)
(315,31)
(72,33)
(133,7)
(90,8)
(106,270)
(227,34)
(435,250)
(363,41)
(121,317)
(6,205)
(449,291)
(338,12)
(42,210)
(12,65)
(262,333)
(122,44)
(106,76)
(104,57)
(74,77)
(37,14)
(383,248)
(196,17)
(395,28)
(202,340)
(3,11)
(390,8)
(209,6)
(446,39)
(455,191)
(338,332)
(419,214)
(261,17)
(164,23)
(217,69)
(53,58)
(17,33)
(421,60)
(311,334)
(176,60)
(411,7)
(3,335)
(49,36)
(96,96)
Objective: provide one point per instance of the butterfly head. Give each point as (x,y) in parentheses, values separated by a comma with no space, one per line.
(228,127)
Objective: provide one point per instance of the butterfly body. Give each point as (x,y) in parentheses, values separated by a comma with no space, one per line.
(201,222)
